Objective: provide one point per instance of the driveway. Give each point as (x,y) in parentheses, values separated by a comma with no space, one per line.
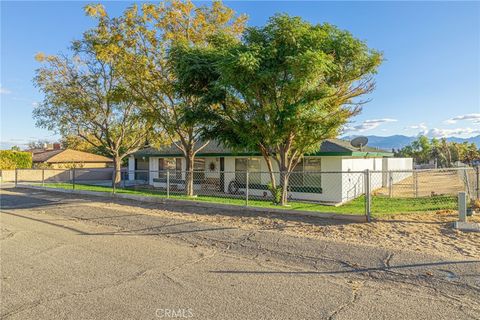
(72,257)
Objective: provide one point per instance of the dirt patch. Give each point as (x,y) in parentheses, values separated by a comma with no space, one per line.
(425,184)
(430,233)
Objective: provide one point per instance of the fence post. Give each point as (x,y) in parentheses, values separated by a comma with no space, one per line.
(462,206)
(43,177)
(73,178)
(368,196)
(16,177)
(477,173)
(415,174)
(246,189)
(114,182)
(390,184)
(168,184)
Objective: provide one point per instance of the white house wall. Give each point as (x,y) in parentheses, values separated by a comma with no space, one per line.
(131,168)
(153,167)
(398,170)
(342,177)
(331,182)
(353,182)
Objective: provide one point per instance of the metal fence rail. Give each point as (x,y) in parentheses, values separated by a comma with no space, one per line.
(357,192)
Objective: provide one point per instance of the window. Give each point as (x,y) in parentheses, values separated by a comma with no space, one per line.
(199,169)
(251,165)
(174,165)
(199,164)
(312,176)
(241,164)
(312,165)
(307,173)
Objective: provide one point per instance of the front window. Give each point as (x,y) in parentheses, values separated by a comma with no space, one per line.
(199,169)
(307,173)
(312,176)
(252,165)
(173,165)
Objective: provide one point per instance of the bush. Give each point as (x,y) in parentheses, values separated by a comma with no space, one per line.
(15,160)
(276,193)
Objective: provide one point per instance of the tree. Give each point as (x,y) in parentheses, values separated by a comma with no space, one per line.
(282,90)
(443,152)
(38,144)
(422,150)
(78,143)
(10,159)
(15,148)
(144,37)
(85,96)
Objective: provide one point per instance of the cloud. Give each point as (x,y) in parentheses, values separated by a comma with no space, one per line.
(475,117)
(422,126)
(458,132)
(4,90)
(369,124)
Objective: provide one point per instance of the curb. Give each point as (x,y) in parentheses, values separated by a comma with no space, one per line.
(323,215)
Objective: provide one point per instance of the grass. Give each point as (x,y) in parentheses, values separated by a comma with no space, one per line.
(381,205)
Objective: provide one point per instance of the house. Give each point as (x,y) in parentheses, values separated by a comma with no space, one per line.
(333,174)
(68,158)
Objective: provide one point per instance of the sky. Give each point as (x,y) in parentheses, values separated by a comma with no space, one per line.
(428,84)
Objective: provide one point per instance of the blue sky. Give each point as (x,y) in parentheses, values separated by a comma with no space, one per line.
(429,82)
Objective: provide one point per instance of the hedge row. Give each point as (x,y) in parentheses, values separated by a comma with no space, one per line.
(15,159)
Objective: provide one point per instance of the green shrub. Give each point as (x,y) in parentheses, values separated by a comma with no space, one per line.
(276,193)
(15,160)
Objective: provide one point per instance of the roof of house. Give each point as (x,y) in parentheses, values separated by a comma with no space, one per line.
(68,156)
(329,147)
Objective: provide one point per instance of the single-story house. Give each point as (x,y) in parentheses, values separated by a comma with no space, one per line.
(333,174)
(68,158)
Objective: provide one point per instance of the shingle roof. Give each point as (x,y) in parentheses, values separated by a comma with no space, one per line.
(214,148)
(339,145)
(68,155)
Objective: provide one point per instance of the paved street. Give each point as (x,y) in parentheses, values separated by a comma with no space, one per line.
(72,257)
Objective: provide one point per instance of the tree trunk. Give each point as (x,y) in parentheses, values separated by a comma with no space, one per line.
(284,183)
(117,166)
(273,181)
(190,160)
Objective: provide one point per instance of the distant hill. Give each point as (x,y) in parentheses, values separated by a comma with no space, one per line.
(400,141)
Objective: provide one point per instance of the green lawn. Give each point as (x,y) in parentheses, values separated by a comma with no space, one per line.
(380,205)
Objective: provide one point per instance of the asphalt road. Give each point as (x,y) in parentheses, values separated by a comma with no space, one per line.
(64,258)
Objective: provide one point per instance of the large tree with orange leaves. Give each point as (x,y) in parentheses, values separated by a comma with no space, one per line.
(144,36)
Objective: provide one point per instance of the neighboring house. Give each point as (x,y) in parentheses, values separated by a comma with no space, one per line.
(331,175)
(68,158)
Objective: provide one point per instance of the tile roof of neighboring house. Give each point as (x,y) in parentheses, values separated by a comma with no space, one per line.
(68,155)
(329,147)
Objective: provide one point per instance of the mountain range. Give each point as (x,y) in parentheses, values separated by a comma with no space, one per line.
(399,141)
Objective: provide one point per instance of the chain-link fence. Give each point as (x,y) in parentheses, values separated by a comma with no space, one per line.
(421,190)
(345,192)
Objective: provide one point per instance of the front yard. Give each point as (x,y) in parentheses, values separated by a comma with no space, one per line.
(381,205)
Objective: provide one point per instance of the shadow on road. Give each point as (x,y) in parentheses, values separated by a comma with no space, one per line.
(8,201)
(135,232)
(179,208)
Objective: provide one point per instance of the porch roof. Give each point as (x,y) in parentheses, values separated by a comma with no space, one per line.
(329,147)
